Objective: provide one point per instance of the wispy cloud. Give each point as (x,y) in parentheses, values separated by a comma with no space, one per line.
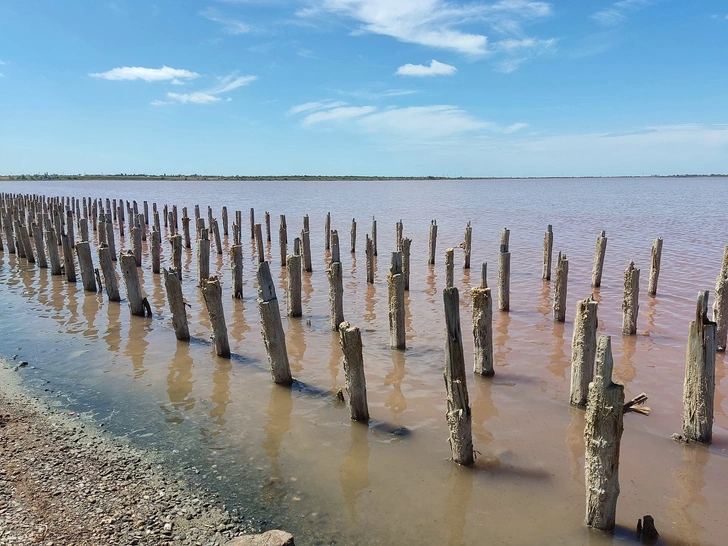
(313,106)
(1,64)
(208,96)
(434,69)
(338,114)
(519,51)
(131,73)
(617,12)
(229,25)
(365,94)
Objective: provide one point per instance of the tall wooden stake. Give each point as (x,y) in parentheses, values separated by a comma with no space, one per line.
(212,292)
(548,250)
(655,266)
(356,385)
(272,328)
(599,253)
(504,272)
(562,277)
(630,304)
(395,283)
(583,351)
(176,304)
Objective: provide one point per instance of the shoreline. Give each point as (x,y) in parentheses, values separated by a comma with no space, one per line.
(64,480)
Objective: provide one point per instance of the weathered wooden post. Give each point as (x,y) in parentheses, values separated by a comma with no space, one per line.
(156,242)
(68,264)
(176,242)
(336,284)
(406,244)
(449,267)
(630,303)
(458,406)
(293,279)
(259,243)
(655,266)
(131,283)
(22,231)
(39,248)
(602,436)
(83,228)
(562,277)
(353,235)
(69,229)
(110,240)
(399,229)
(236,259)
(467,246)
(176,301)
(85,264)
(186,230)
(216,233)
(395,284)
(599,253)
(52,246)
(252,223)
(548,250)
(699,387)
(374,236)
(283,239)
(720,304)
(136,241)
(267,226)
(356,385)
(272,328)
(433,242)
(109,273)
(224,221)
(370,260)
(212,292)
(583,351)
(504,272)
(203,257)
(306,249)
(327,230)
(482,304)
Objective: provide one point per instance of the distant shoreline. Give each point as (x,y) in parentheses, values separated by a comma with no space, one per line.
(312,178)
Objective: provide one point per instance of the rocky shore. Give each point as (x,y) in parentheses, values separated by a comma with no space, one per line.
(63,482)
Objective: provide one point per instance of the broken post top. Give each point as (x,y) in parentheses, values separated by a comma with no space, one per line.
(604,363)
(505,239)
(484,275)
(266,287)
(701,312)
(549,229)
(395,267)
(335,252)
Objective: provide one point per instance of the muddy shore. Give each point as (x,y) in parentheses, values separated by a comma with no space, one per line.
(64,480)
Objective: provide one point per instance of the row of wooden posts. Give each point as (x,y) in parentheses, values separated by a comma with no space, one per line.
(594,390)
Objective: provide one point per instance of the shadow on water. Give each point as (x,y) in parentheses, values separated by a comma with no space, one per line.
(558,360)
(354,469)
(179,384)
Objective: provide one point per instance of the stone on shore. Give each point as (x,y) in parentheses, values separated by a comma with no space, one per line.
(269,538)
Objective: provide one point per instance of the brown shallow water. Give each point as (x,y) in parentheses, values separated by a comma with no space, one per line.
(295,453)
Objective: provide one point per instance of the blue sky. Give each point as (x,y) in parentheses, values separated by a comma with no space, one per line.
(367,87)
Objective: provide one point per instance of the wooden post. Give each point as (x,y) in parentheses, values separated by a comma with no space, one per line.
(399,229)
(406,243)
(22,231)
(458,406)
(136,242)
(449,267)
(107,270)
(176,242)
(297,246)
(69,229)
(306,244)
(267,226)
(504,272)
(239,224)
(720,304)
(272,328)
(562,276)
(252,223)
(83,228)
(548,249)
(52,246)
(583,351)
(186,231)
(236,259)
(216,233)
(283,239)
(374,236)
(395,284)
(327,233)
(336,284)
(353,235)
(599,252)
(467,246)
(602,436)
(203,258)
(131,283)
(293,278)
(156,242)
(259,243)
(356,385)
(482,304)
(85,264)
(699,387)
(655,266)
(433,242)
(370,260)
(225,221)
(109,226)
(630,303)
(68,264)
(212,292)
(39,248)
(176,304)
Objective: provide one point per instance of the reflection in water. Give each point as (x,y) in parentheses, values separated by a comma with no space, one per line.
(483,409)
(431,289)
(500,341)
(136,344)
(558,361)
(650,314)
(335,359)
(544,303)
(280,406)
(204,316)
(354,471)
(626,371)
(239,326)
(575,442)
(690,479)
(221,390)
(719,376)
(180,383)
(296,344)
(396,402)
(306,288)
(112,336)
(409,334)
(90,308)
(158,300)
(71,304)
(369,314)
(457,500)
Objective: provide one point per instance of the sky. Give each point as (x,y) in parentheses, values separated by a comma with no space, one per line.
(503,88)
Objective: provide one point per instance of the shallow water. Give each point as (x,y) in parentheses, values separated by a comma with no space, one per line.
(294,455)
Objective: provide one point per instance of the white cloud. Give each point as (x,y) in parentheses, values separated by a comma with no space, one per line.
(229,25)
(435,69)
(130,73)
(313,106)
(510,45)
(338,114)
(2,62)
(375,95)
(208,96)
(617,12)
